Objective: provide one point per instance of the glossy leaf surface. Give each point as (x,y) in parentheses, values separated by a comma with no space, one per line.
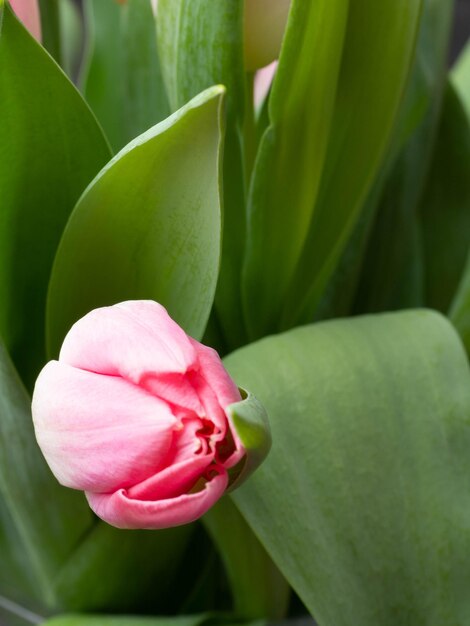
(148,227)
(51,147)
(364,500)
(122,81)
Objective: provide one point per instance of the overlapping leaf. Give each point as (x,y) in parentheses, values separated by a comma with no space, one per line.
(364,500)
(50,148)
(122,81)
(148,227)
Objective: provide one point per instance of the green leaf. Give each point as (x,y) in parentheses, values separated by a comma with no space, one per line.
(461,77)
(445,208)
(395,248)
(51,147)
(364,500)
(377,56)
(291,156)
(148,226)
(201,44)
(258,588)
(40,521)
(50,28)
(122,80)
(392,202)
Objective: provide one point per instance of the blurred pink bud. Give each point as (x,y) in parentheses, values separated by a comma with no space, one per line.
(28,12)
(265,23)
(263,81)
(134,414)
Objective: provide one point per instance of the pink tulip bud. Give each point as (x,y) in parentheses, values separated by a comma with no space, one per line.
(28,12)
(134,414)
(265,22)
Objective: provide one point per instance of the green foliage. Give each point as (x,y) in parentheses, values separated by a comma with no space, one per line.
(122,80)
(148,227)
(50,149)
(363,501)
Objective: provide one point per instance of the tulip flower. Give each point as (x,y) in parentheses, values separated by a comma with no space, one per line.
(264,25)
(28,12)
(134,413)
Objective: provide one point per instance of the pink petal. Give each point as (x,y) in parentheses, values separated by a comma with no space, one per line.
(132,339)
(28,12)
(263,80)
(119,510)
(225,391)
(99,433)
(173,481)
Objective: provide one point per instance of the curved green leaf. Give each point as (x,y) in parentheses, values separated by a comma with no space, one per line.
(377,57)
(122,81)
(251,423)
(50,148)
(291,156)
(123,620)
(461,77)
(148,226)
(364,500)
(258,587)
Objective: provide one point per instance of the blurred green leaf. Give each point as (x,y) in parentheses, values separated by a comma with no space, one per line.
(377,56)
(51,147)
(364,500)
(50,28)
(445,207)
(148,226)
(461,77)
(291,156)
(201,44)
(394,265)
(122,80)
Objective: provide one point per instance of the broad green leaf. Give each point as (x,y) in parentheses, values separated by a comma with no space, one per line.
(122,620)
(398,185)
(364,499)
(40,522)
(445,207)
(291,156)
(377,56)
(51,147)
(258,588)
(122,79)
(148,226)
(461,77)
(395,245)
(201,44)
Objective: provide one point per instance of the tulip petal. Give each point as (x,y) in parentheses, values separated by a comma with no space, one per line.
(173,481)
(28,12)
(99,433)
(133,339)
(226,393)
(119,510)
